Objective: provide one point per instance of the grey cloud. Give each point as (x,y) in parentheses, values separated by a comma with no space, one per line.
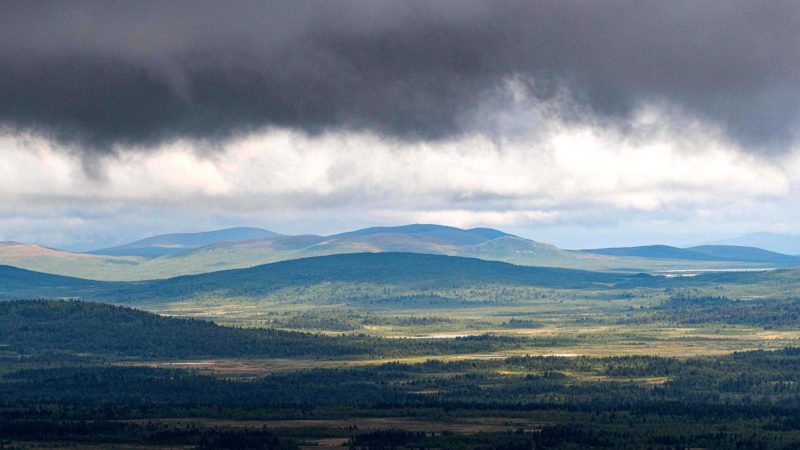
(136,73)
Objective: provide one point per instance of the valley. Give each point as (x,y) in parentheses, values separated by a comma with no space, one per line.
(399,225)
(385,348)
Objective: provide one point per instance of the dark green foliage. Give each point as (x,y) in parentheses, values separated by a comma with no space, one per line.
(396,280)
(406,269)
(36,326)
(523,323)
(15,278)
(410,270)
(572,436)
(32,327)
(348,320)
(736,385)
(689,310)
(151,434)
(745,400)
(147,386)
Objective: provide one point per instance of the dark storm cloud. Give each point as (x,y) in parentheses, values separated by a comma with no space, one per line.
(135,73)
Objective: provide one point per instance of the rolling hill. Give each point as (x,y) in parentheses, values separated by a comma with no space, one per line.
(653,251)
(16,278)
(21,283)
(452,235)
(361,280)
(775,242)
(83,265)
(168,244)
(195,253)
(406,270)
(33,327)
(728,253)
(177,257)
(516,250)
(430,239)
(747,254)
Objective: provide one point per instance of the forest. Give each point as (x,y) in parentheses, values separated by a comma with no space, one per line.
(89,374)
(745,400)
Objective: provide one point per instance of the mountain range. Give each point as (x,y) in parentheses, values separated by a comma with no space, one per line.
(776,242)
(167,244)
(730,253)
(356,279)
(411,270)
(176,254)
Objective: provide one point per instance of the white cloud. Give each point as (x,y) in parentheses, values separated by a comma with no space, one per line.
(669,170)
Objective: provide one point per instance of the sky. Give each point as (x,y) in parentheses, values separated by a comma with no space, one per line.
(583,124)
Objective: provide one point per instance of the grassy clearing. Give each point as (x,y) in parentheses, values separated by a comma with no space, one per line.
(594,322)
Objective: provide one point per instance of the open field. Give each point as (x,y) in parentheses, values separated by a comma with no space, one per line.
(597,341)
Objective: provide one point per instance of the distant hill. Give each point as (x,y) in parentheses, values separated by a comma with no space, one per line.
(451,235)
(83,265)
(237,248)
(167,244)
(748,254)
(522,251)
(16,278)
(21,283)
(481,243)
(727,253)
(431,239)
(362,279)
(775,242)
(35,326)
(654,251)
(406,270)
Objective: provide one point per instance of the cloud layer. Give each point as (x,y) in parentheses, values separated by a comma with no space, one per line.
(586,123)
(106,75)
(556,174)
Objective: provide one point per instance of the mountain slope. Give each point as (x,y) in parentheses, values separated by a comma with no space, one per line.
(16,278)
(518,250)
(39,326)
(406,270)
(452,235)
(21,283)
(721,253)
(182,258)
(387,280)
(89,330)
(167,244)
(83,265)
(775,242)
(654,251)
(243,254)
(747,254)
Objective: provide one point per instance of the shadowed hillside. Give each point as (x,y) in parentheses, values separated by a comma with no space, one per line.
(408,270)
(21,283)
(36,326)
